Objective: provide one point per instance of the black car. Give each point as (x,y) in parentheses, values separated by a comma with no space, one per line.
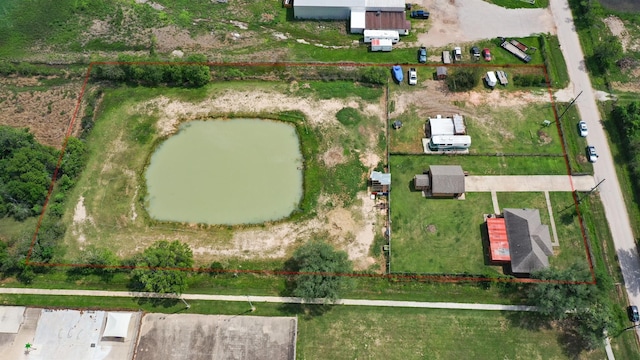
(420,14)
(632,311)
(475,52)
(422,55)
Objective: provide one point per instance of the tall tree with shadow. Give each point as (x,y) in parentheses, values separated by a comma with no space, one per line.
(320,271)
(160,268)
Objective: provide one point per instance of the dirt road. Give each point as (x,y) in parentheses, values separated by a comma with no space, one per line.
(610,192)
(460,21)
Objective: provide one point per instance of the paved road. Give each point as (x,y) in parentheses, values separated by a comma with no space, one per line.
(508,183)
(270,299)
(610,192)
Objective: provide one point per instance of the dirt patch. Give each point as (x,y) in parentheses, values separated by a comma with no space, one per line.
(46,113)
(318,112)
(431,229)
(618,29)
(333,157)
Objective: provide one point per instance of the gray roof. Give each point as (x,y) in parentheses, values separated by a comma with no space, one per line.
(421,180)
(382,178)
(441,70)
(529,240)
(446,179)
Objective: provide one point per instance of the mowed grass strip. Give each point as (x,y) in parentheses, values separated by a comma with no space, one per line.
(398,333)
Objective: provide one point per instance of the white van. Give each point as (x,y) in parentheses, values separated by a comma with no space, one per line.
(491,79)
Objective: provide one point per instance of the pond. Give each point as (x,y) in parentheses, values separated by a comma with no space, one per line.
(229,172)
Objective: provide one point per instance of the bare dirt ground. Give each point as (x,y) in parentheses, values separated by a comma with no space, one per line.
(462,21)
(47,113)
(620,30)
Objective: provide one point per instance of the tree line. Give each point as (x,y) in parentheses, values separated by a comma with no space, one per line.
(190,72)
(627,121)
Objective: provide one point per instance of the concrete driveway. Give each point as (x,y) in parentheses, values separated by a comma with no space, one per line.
(506,183)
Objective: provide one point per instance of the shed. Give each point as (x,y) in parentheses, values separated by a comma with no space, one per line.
(458,125)
(117,325)
(446,180)
(529,240)
(397,124)
(421,182)
(441,72)
(380,182)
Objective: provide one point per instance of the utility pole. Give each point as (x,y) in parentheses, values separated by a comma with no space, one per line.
(253,308)
(590,191)
(569,106)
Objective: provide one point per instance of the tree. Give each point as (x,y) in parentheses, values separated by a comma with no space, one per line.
(463,79)
(160,267)
(555,297)
(606,53)
(321,267)
(197,74)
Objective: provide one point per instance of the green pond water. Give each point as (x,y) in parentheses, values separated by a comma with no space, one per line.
(241,171)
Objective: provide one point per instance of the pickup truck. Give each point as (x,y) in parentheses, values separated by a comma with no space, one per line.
(457,54)
(420,14)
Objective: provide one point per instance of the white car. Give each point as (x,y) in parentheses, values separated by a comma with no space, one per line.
(582,128)
(413,76)
(592,155)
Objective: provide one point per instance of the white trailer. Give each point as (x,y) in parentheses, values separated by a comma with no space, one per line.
(450,142)
(381,45)
(491,79)
(446,57)
(392,35)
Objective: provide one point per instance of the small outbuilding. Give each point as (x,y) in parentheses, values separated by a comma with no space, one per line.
(380,182)
(117,326)
(441,72)
(441,181)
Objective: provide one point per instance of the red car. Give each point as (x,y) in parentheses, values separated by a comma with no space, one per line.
(486,54)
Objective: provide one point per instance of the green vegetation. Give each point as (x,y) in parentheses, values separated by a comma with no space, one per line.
(161,267)
(463,79)
(320,266)
(517,4)
(627,120)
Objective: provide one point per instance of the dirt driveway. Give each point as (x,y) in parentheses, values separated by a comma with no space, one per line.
(459,21)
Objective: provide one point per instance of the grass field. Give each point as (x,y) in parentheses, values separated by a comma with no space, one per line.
(444,235)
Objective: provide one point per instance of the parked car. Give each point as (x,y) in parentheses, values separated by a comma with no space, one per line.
(582,128)
(422,55)
(397,73)
(592,155)
(420,14)
(632,311)
(475,52)
(486,54)
(413,76)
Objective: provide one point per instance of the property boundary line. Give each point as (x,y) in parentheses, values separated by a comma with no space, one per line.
(391,276)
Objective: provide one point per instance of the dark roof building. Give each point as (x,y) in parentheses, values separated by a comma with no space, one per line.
(529,240)
(446,180)
(387,20)
(421,182)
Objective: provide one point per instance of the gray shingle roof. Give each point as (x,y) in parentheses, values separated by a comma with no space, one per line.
(447,179)
(421,180)
(529,240)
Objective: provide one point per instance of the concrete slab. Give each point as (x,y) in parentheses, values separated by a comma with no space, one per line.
(509,183)
(66,334)
(200,337)
(11,318)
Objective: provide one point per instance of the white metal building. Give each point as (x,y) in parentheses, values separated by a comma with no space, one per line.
(344,9)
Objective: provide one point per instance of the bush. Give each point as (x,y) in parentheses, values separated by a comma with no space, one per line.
(349,116)
(463,80)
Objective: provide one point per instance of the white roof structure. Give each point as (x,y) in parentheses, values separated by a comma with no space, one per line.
(11,318)
(441,126)
(358,21)
(117,325)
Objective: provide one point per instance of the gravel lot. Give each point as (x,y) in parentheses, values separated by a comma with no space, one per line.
(460,21)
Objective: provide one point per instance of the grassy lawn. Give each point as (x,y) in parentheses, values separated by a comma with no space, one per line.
(430,334)
(486,165)
(575,143)
(434,235)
